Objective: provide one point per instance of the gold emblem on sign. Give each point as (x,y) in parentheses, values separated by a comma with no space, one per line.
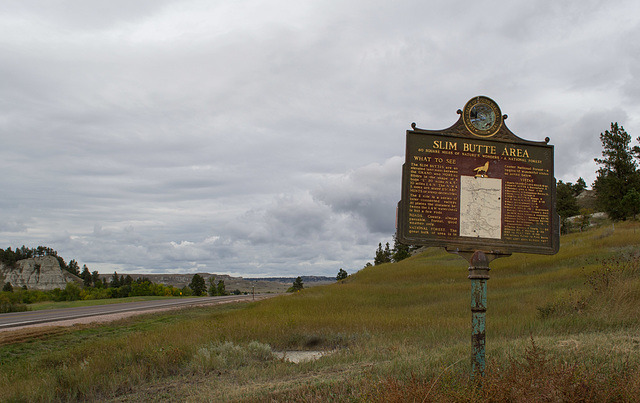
(482,116)
(482,171)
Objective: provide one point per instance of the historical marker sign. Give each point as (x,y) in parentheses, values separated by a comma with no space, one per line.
(477,186)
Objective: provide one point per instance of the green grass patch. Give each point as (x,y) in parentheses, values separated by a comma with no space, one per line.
(39,306)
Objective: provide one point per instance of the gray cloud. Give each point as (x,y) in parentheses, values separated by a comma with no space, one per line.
(369,193)
(267,138)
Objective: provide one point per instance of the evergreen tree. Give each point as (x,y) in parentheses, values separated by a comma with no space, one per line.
(221,288)
(7,287)
(400,251)
(297,285)
(636,149)
(631,203)
(617,174)
(198,285)
(9,257)
(95,279)
(566,203)
(128,280)
(342,274)
(24,253)
(86,276)
(382,256)
(213,290)
(73,267)
(379,258)
(115,281)
(40,251)
(579,186)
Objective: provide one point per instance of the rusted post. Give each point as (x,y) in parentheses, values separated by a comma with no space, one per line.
(478,274)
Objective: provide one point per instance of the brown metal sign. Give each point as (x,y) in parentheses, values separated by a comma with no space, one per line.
(477,186)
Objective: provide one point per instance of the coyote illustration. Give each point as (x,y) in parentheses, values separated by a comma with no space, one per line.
(482,171)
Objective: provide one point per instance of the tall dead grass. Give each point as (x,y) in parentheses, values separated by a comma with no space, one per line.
(533,377)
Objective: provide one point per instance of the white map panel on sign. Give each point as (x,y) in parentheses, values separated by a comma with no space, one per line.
(480,207)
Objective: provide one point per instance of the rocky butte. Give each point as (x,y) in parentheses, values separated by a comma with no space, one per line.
(38,273)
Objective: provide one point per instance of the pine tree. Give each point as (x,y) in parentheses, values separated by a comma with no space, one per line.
(382,255)
(579,186)
(618,174)
(566,203)
(213,290)
(297,285)
(115,281)
(631,203)
(379,258)
(73,267)
(400,250)
(221,288)
(387,253)
(95,279)
(86,276)
(198,285)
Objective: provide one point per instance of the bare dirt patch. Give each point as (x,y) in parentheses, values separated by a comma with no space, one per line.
(300,356)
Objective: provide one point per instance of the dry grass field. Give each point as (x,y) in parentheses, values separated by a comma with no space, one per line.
(559,328)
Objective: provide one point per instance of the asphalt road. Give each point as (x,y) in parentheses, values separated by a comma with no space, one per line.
(16,319)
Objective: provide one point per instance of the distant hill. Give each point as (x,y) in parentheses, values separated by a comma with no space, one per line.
(305,279)
(259,285)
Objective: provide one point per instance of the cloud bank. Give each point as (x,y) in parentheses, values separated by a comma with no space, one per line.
(258,138)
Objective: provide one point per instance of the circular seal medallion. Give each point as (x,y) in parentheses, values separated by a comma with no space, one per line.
(482,116)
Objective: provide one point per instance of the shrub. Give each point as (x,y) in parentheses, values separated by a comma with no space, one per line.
(33,296)
(228,356)
(9,302)
(72,292)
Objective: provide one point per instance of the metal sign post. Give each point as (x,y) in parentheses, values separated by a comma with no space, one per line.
(479,275)
(481,192)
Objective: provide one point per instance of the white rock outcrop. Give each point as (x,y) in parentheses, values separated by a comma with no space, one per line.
(39,273)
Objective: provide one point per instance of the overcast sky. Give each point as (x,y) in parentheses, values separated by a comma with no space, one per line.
(266,138)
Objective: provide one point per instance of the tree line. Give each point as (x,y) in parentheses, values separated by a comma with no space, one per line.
(199,287)
(387,254)
(92,287)
(616,187)
(10,257)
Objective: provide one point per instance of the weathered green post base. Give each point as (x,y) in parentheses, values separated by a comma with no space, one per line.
(478,274)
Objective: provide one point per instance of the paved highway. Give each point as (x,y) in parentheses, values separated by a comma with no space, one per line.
(16,319)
